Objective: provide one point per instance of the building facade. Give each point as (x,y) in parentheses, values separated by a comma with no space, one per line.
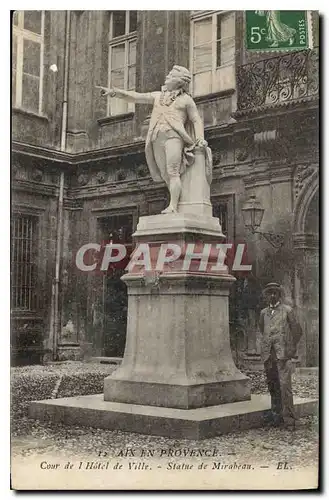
(79,172)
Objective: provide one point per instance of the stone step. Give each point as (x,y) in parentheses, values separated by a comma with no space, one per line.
(108,360)
(308,370)
(200,423)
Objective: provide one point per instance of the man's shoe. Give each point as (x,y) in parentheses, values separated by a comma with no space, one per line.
(271,420)
(289,426)
(277,421)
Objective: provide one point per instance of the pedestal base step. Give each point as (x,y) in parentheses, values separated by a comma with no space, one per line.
(200,423)
(185,397)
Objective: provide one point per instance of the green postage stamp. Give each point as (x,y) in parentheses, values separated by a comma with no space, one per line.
(277,30)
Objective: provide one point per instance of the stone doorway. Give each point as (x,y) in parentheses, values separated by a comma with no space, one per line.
(115,307)
(116,229)
(311,282)
(306,243)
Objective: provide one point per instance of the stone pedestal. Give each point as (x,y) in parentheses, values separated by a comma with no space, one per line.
(178,351)
(178,348)
(177,378)
(69,351)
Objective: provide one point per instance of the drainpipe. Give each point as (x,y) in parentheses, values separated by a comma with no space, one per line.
(61,188)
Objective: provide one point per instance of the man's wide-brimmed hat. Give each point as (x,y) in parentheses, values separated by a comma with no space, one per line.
(272,286)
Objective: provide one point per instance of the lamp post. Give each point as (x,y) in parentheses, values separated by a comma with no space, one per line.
(252,213)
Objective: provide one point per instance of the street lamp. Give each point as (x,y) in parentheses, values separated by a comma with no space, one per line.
(252,213)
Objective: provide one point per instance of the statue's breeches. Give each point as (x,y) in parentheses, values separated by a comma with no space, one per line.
(168,149)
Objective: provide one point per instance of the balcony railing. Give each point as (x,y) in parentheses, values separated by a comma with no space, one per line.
(278,80)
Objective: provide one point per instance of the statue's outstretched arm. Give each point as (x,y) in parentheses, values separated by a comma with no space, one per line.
(129,95)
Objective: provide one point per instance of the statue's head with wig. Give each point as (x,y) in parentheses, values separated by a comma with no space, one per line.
(178,78)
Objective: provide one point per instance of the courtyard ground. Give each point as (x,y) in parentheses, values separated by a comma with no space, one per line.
(32,438)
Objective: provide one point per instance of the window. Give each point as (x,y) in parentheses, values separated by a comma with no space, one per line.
(224,209)
(122,58)
(118,228)
(221,212)
(212,52)
(27,62)
(23,266)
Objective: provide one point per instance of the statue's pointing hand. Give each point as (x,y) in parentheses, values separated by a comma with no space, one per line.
(105,91)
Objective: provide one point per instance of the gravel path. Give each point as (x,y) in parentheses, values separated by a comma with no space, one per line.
(31,438)
(267,445)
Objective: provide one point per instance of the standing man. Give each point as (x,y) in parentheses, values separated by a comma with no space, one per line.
(175,130)
(280,336)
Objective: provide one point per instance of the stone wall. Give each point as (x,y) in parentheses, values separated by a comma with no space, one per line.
(106,172)
(34,193)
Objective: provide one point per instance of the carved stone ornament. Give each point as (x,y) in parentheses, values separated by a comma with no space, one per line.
(37,174)
(217,157)
(142,171)
(243,147)
(83,179)
(303,172)
(121,175)
(242,154)
(265,136)
(101,177)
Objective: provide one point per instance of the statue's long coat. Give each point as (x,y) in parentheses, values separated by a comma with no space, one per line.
(186,132)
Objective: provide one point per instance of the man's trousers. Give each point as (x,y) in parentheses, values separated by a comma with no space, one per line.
(278,374)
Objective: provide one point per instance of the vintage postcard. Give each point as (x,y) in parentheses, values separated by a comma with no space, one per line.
(165,250)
